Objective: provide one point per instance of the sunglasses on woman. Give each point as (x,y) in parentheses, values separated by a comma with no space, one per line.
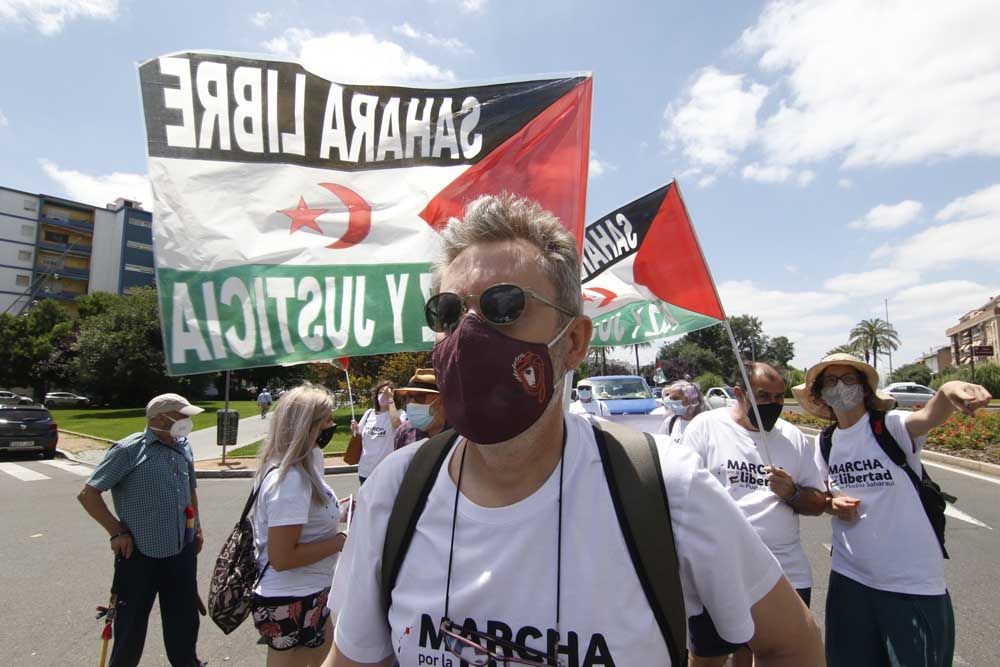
(500,304)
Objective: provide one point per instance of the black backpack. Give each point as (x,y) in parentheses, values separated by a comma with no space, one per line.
(933,499)
(635,480)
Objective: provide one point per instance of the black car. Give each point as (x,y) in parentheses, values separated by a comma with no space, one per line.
(28,428)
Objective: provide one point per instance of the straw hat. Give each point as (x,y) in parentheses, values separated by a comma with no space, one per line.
(818,407)
(423,382)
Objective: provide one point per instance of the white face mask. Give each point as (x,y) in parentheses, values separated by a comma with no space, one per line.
(584,394)
(181,428)
(842,397)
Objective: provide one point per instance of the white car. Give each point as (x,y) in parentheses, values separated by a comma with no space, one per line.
(720,397)
(64,399)
(10,398)
(909,394)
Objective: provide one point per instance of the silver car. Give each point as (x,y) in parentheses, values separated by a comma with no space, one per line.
(64,399)
(10,398)
(909,394)
(720,397)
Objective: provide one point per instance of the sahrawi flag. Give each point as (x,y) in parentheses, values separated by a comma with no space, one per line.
(296,218)
(644,275)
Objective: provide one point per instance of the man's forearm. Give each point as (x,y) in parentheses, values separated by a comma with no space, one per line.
(94,505)
(810,502)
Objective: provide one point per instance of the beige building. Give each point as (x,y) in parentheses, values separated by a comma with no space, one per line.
(938,359)
(977,328)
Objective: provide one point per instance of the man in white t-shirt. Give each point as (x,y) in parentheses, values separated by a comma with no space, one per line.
(682,402)
(518,539)
(587,405)
(887,602)
(771,475)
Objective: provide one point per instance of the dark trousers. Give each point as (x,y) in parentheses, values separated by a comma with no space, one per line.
(139,580)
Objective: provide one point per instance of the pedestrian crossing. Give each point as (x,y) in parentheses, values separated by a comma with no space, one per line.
(39,471)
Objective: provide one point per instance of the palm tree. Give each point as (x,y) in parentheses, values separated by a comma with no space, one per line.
(847,348)
(874,335)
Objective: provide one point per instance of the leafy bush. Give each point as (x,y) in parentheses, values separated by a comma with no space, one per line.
(987,374)
(706,381)
(916,373)
(793,376)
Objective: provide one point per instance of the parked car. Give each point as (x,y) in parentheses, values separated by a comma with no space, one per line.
(10,398)
(909,395)
(622,394)
(64,399)
(720,397)
(28,428)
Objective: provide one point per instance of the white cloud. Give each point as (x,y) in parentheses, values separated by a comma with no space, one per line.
(889,216)
(473,6)
(923,313)
(356,58)
(791,268)
(447,43)
(706,181)
(911,86)
(50,16)
(884,251)
(3,120)
(878,281)
(845,184)
(599,167)
(805,177)
(715,119)
(261,19)
(766,173)
(961,242)
(981,202)
(102,189)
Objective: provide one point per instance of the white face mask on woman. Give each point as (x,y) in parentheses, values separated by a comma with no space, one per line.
(843,397)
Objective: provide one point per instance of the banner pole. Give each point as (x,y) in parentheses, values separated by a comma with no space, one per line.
(748,390)
(350,395)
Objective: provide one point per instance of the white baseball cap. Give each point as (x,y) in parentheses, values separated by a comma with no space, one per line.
(171,403)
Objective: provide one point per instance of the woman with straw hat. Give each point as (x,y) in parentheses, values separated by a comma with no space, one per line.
(887,602)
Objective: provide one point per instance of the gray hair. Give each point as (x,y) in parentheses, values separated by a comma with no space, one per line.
(507,217)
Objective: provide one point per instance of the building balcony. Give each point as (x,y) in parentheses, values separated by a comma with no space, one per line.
(62,296)
(65,272)
(73,225)
(76,249)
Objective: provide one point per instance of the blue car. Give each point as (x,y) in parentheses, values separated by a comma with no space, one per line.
(622,394)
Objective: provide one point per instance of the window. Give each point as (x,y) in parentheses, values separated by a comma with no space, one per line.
(139,269)
(29,205)
(135,245)
(56,237)
(22,280)
(138,222)
(24,255)
(27,230)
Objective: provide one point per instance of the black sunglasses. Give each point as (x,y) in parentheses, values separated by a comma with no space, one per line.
(500,304)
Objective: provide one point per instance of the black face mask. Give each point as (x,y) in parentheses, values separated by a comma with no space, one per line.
(324,437)
(769,413)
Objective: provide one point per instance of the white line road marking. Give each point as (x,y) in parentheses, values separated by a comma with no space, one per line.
(74,468)
(22,473)
(961,471)
(962,516)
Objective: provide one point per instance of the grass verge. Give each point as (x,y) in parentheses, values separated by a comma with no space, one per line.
(338,445)
(116,423)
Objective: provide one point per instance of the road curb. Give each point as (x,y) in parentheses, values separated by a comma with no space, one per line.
(62,453)
(89,437)
(938,457)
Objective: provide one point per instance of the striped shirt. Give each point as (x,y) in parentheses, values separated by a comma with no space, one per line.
(150,484)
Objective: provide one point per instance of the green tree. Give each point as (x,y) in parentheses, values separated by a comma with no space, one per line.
(27,343)
(916,373)
(780,350)
(847,348)
(874,336)
(684,358)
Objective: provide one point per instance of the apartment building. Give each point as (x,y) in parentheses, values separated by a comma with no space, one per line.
(976,332)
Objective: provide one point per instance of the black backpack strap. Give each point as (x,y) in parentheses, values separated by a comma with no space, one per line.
(670,426)
(253,494)
(632,469)
(826,442)
(408,506)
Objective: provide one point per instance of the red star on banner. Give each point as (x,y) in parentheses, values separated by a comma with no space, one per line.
(303,216)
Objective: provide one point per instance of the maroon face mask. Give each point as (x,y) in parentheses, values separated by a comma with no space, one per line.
(493,387)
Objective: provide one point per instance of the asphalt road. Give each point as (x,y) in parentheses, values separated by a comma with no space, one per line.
(57,568)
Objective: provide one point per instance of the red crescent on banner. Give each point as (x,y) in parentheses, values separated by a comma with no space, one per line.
(359,220)
(608,295)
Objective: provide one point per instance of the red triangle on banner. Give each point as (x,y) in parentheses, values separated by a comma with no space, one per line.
(546,161)
(342,362)
(670,262)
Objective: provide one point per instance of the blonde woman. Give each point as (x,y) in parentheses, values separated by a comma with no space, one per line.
(296,531)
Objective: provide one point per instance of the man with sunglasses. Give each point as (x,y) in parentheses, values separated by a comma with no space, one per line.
(517,557)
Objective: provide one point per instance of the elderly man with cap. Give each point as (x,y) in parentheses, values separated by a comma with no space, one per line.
(587,405)
(887,602)
(424,414)
(156,535)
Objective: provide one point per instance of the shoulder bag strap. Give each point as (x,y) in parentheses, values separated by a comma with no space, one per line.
(253,494)
(632,470)
(826,442)
(408,506)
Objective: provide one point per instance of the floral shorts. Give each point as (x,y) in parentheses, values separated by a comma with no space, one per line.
(287,622)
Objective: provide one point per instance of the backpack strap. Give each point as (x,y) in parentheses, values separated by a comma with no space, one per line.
(826,441)
(670,426)
(632,470)
(409,505)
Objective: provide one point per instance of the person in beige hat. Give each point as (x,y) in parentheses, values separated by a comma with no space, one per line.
(156,535)
(887,602)
(424,414)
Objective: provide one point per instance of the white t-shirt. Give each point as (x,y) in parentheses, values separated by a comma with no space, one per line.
(733,454)
(594,407)
(290,503)
(504,571)
(377,436)
(677,432)
(891,545)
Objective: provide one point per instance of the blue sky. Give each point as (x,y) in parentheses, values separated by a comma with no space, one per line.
(832,154)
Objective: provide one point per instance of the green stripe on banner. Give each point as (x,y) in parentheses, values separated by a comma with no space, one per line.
(263,315)
(643,321)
